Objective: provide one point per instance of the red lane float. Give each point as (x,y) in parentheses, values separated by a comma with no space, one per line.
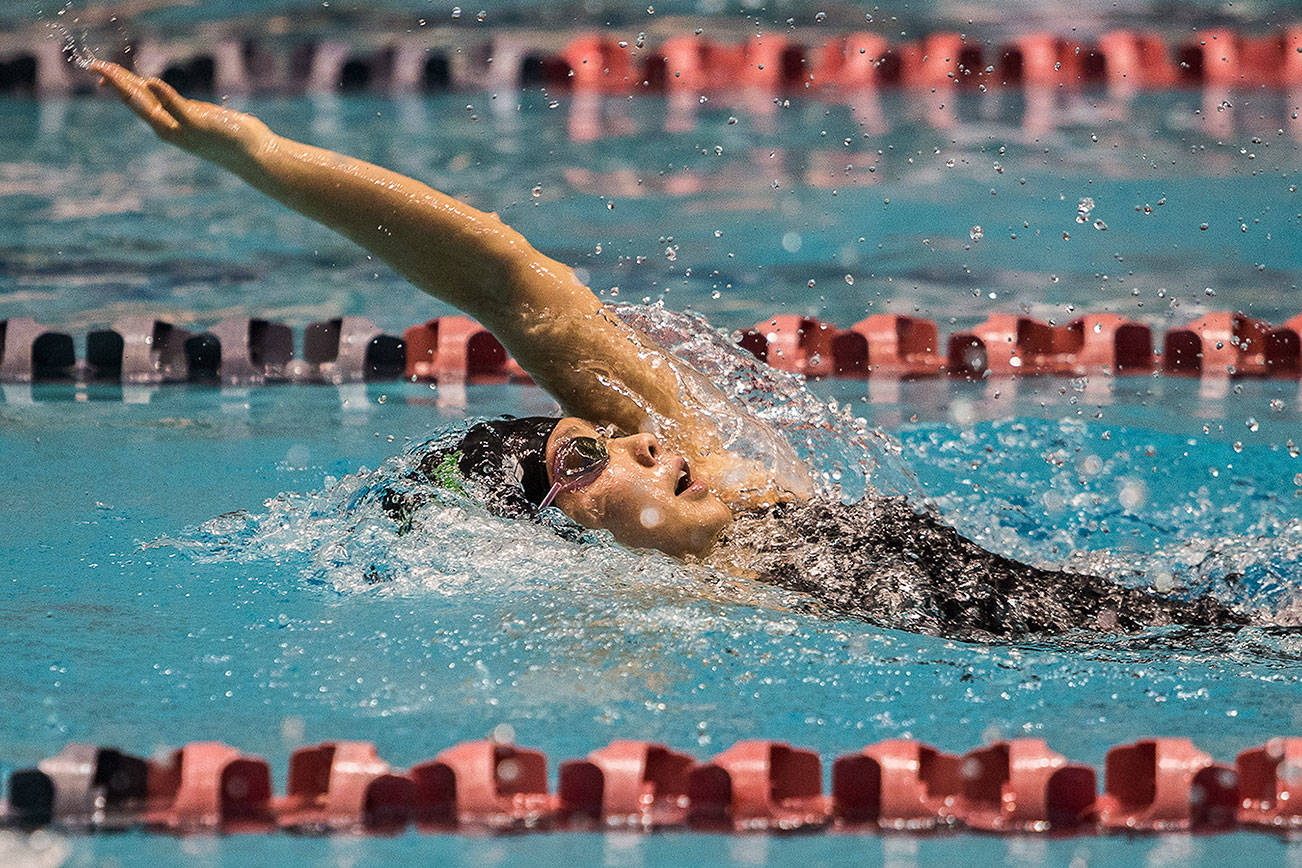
(345,786)
(852,62)
(1002,345)
(1228,343)
(627,784)
(1107,343)
(1137,60)
(896,784)
(1164,785)
(794,343)
(1291,73)
(933,62)
(485,784)
(1213,58)
(1032,60)
(1270,784)
(888,344)
(685,63)
(207,785)
(598,64)
(456,348)
(758,785)
(771,63)
(1023,786)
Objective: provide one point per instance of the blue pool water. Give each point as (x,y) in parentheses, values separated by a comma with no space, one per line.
(187,563)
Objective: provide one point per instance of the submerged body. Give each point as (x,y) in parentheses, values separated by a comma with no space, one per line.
(652,451)
(881,561)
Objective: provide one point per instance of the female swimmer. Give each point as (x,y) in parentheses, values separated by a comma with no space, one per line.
(643,451)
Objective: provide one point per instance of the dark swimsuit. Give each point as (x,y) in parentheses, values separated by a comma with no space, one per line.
(885,563)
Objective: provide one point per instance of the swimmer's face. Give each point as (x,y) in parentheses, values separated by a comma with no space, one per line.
(641,493)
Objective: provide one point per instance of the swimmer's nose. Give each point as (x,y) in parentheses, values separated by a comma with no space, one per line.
(646,449)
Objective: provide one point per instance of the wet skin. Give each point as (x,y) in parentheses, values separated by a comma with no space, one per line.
(646,496)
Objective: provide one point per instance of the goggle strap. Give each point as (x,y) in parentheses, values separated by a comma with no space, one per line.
(551,495)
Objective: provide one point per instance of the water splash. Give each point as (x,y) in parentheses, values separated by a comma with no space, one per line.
(343,538)
(851,460)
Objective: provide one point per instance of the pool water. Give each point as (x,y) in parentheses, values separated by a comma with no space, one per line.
(186,563)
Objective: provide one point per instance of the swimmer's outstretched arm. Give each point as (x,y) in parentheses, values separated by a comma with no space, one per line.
(597,367)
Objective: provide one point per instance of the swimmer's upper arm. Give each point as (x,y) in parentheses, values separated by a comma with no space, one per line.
(559,331)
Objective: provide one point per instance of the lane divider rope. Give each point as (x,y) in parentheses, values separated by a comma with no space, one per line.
(1020,786)
(458,349)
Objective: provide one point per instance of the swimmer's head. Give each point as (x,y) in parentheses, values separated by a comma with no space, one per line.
(501,462)
(645,496)
(634,488)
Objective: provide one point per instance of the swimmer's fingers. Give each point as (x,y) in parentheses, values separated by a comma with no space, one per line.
(176,105)
(135,92)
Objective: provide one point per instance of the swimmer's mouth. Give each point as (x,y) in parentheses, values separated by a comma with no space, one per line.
(684,480)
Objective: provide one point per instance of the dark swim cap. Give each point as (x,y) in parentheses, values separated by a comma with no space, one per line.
(503,461)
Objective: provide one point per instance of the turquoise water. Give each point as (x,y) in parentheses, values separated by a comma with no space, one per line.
(188,563)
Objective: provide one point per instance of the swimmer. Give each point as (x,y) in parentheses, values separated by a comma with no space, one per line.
(646,450)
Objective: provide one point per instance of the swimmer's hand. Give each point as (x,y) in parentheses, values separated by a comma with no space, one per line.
(218,134)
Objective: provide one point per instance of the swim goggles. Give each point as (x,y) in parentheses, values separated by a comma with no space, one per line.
(578,462)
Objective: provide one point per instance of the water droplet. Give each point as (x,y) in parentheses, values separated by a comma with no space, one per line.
(1100,225)
(1252,424)
(456,11)
(1133,494)
(1209,292)
(976,233)
(849,279)
(820,17)
(1202,226)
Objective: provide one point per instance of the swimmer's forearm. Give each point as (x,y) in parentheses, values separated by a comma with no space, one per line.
(443,246)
